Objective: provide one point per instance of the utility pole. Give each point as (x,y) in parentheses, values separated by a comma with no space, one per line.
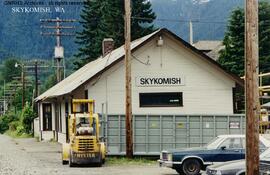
(251,88)
(190,33)
(59,49)
(36,85)
(23,86)
(24,82)
(4,96)
(129,132)
(36,78)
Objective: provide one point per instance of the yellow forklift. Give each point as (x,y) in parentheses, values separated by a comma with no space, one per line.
(264,124)
(84,146)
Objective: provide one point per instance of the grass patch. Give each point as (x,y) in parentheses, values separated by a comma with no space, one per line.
(14,134)
(134,161)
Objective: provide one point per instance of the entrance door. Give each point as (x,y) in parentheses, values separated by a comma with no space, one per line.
(47,116)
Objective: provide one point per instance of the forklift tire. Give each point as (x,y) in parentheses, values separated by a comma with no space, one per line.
(99,164)
(103,161)
(71,164)
(65,162)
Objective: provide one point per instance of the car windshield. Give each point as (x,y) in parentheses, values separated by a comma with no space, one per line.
(214,143)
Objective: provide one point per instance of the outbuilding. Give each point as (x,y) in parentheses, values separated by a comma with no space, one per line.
(169,77)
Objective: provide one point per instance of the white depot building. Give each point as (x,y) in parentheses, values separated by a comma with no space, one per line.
(169,77)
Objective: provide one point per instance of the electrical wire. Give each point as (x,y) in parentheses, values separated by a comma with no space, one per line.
(134,57)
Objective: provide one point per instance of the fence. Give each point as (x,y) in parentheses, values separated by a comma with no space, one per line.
(153,133)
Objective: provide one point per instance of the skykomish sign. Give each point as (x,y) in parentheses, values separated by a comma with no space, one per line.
(160,81)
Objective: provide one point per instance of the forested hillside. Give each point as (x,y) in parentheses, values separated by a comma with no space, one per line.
(210,17)
(20,32)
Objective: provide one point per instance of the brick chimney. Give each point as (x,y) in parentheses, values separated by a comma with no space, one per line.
(107,46)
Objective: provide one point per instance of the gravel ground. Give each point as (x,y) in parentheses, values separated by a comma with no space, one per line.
(28,157)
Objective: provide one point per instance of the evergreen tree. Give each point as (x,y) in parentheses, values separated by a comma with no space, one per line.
(232,57)
(9,71)
(105,19)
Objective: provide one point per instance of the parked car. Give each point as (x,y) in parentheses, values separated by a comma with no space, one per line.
(191,161)
(238,167)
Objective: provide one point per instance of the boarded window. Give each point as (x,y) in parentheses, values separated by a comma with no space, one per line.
(162,99)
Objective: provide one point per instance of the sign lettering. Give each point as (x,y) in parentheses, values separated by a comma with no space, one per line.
(159,81)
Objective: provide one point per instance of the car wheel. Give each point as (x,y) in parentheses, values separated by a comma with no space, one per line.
(191,167)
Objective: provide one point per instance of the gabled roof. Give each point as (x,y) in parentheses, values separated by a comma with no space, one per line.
(210,47)
(207,44)
(101,64)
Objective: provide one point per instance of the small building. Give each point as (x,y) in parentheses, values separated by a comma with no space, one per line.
(169,76)
(210,48)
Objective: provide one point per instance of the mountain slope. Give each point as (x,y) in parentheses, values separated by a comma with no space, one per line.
(20,32)
(210,17)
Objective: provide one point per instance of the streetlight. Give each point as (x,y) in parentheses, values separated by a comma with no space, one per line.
(23,82)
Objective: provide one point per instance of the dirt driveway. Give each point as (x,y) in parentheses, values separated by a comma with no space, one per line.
(28,157)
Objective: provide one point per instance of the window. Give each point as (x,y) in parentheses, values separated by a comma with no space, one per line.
(86,94)
(66,117)
(85,106)
(47,117)
(163,99)
(261,144)
(232,143)
(60,117)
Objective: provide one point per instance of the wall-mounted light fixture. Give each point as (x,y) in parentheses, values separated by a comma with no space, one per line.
(160,41)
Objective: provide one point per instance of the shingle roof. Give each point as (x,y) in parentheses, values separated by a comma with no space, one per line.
(93,68)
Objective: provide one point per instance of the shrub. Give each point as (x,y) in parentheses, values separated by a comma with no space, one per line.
(5,120)
(20,130)
(27,118)
(13,125)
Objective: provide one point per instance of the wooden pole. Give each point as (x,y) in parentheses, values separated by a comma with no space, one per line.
(5,97)
(58,44)
(251,88)
(23,87)
(129,135)
(36,86)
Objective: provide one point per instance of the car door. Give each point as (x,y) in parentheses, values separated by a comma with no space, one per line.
(230,149)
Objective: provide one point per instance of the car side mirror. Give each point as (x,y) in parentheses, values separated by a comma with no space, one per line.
(223,147)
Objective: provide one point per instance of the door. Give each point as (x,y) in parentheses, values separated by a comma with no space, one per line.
(230,149)
(47,116)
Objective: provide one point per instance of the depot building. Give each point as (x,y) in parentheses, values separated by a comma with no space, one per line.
(169,76)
